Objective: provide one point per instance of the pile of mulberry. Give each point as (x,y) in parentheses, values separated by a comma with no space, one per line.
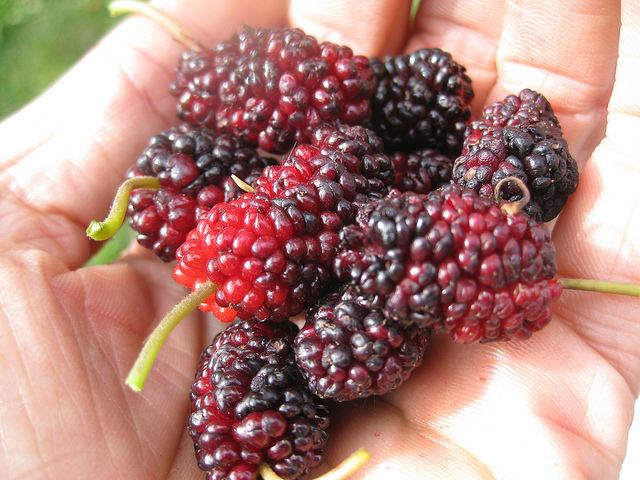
(270,251)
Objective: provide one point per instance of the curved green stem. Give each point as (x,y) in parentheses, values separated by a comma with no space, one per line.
(110,225)
(120,7)
(342,471)
(141,368)
(629,289)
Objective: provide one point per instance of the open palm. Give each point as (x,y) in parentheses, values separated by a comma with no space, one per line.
(556,406)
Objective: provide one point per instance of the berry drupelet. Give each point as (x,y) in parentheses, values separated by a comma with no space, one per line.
(519,137)
(270,251)
(272,86)
(421,171)
(422,101)
(348,349)
(249,405)
(194,167)
(454,261)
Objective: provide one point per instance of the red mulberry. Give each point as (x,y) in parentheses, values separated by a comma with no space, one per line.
(271,251)
(454,261)
(272,87)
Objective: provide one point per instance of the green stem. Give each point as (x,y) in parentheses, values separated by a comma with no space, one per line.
(342,471)
(120,7)
(415,5)
(110,225)
(141,368)
(628,289)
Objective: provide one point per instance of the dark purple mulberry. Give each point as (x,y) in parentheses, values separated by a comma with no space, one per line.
(249,405)
(272,87)
(519,137)
(454,261)
(422,101)
(348,349)
(194,167)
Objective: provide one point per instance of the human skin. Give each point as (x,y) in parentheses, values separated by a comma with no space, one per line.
(556,406)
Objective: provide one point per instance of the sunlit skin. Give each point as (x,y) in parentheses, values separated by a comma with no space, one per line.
(557,406)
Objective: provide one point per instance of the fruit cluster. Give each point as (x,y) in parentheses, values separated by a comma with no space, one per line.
(393,215)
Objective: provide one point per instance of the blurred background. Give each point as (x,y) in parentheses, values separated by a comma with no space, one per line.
(41,39)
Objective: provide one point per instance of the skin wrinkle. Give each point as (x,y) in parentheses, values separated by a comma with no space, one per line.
(111,448)
(140,91)
(66,348)
(517,43)
(481,467)
(22,403)
(600,349)
(608,353)
(41,237)
(600,445)
(411,430)
(18,157)
(558,77)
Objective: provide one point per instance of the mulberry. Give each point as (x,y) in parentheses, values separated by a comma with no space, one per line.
(272,87)
(249,405)
(421,171)
(271,251)
(348,349)
(519,137)
(453,261)
(422,101)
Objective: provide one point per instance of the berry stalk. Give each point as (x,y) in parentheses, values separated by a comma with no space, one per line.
(121,7)
(242,184)
(342,471)
(512,207)
(141,368)
(110,225)
(617,288)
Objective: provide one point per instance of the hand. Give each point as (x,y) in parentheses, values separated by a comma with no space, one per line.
(556,406)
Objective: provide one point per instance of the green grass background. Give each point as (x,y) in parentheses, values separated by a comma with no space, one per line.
(40,40)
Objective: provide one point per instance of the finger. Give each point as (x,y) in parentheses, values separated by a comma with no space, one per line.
(372,27)
(470,32)
(67,153)
(599,236)
(566,51)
